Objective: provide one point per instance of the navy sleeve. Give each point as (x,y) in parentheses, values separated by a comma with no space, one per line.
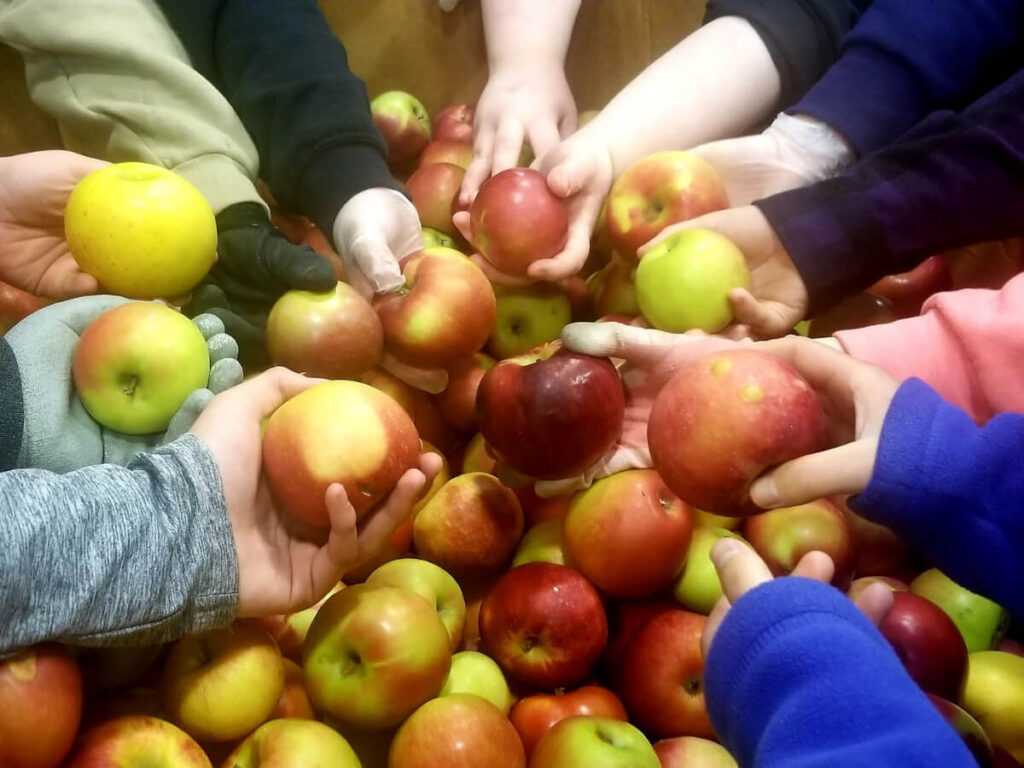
(953,491)
(12,408)
(905,60)
(287,76)
(802,36)
(797,677)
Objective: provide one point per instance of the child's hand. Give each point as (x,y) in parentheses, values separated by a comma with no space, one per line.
(34,190)
(283,567)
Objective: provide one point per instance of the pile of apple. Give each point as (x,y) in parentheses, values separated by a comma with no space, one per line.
(496,628)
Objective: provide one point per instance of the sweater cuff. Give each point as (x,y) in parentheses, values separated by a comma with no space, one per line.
(12,408)
(221,180)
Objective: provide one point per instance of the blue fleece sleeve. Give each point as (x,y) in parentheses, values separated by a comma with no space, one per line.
(953,491)
(904,60)
(797,677)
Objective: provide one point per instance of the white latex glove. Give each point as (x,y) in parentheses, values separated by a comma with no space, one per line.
(448,5)
(792,152)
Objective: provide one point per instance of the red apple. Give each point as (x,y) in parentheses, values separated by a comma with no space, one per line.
(537,509)
(499,216)
(586,742)
(458,401)
(447,151)
(613,289)
(16,305)
(624,619)
(40,707)
(430,582)
(928,643)
(552,413)
(544,624)
(725,418)
(970,730)
(330,335)
(880,552)
(294,701)
(455,124)
(318,241)
(137,740)
(434,189)
(404,122)
(628,533)
(1011,646)
(662,189)
(663,676)
(445,311)
(337,432)
(907,291)
(693,752)
(535,715)
(856,311)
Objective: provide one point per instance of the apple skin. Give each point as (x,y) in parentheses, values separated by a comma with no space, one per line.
(683,282)
(40,707)
(980,621)
(994,696)
(141,230)
(433,584)
(585,742)
(544,624)
(404,122)
(782,536)
(16,305)
(725,418)
(447,151)
(497,215)
(625,617)
(455,123)
(528,317)
(698,587)
(337,432)
(445,312)
(543,543)
(1010,646)
(551,414)
(374,654)
(418,404)
(135,364)
(458,731)
(663,676)
(470,528)
(613,289)
(693,752)
(477,457)
(907,291)
(294,701)
(628,533)
(479,674)
(880,552)
(969,729)
(535,715)
(137,740)
(219,685)
(289,630)
(434,190)
(661,189)
(458,401)
(288,742)
(928,644)
(857,586)
(434,239)
(856,311)
(537,509)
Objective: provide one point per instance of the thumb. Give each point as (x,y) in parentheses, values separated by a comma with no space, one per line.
(843,470)
(570,175)
(298,266)
(374,259)
(633,344)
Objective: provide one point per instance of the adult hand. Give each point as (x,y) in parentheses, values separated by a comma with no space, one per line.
(282,566)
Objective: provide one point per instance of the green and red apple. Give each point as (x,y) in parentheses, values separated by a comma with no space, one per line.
(404,122)
(528,317)
(585,741)
(697,587)
(433,584)
(137,740)
(981,621)
(476,673)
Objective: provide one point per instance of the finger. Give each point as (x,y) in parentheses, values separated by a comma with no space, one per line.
(377,263)
(461,222)
(431,380)
(298,266)
(543,136)
(568,123)
(633,344)
(63,279)
(823,367)
(815,565)
(875,602)
(508,143)
(480,167)
(564,264)
(265,393)
(222,347)
(225,374)
(342,547)
(496,276)
(715,619)
(430,464)
(182,421)
(760,317)
(571,175)
(395,510)
(846,469)
(739,568)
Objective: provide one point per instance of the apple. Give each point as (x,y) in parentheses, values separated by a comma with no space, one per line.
(613,289)
(477,457)
(725,418)
(397,544)
(535,715)
(221,684)
(417,403)
(552,413)
(970,730)
(371,747)
(543,543)
(141,231)
(458,401)
(928,644)
(697,587)
(857,586)
(337,432)
(537,509)
(544,624)
(318,241)
(516,220)
(471,527)
(289,630)
(474,672)
(663,676)
(683,282)
(137,740)
(1003,759)
(135,364)
(447,151)
(445,311)
(16,305)
(628,533)
(661,189)
(880,552)
(528,317)
(434,239)
(1010,646)
(471,629)
(584,742)
(294,701)
(624,619)
(994,696)
(107,667)
(980,621)
(856,311)
(331,335)
(455,124)
(374,654)
(985,265)
(433,584)
(782,536)
(907,291)
(708,520)
(693,751)
(404,122)
(457,731)
(434,189)
(289,742)
(40,707)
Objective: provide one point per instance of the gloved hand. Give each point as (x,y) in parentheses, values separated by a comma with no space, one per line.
(792,152)
(58,434)
(34,190)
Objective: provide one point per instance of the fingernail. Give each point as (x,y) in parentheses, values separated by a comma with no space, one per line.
(764,493)
(724,550)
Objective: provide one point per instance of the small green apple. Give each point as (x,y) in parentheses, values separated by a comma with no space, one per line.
(697,587)
(528,317)
(543,543)
(981,621)
(475,672)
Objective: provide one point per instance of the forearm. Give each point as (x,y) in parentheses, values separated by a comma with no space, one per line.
(525,32)
(107,554)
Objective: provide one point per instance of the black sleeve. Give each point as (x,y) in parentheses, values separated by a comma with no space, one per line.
(287,76)
(12,414)
(802,36)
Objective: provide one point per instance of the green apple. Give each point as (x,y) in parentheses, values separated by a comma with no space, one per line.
(697,587)
(475,672)
(404,123)
(431,582)
(528,317)
(543,543)
(981,621)
(585,741)
(683,282)
(994,695)
(290,742)
(434,239)
(709,520)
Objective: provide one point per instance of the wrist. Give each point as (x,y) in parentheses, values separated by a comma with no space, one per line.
(818,149)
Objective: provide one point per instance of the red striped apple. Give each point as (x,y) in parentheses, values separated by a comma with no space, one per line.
(433,584)
(434,189)
(535,715)
(418,404)
(584,742)
(625,617)
(137,740)
(455,123)
(286,743)
(404,122)
(970,730)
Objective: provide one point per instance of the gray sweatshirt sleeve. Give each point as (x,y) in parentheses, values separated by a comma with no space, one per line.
(109,555)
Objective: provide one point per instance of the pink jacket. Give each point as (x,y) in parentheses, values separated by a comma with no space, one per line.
(968,345)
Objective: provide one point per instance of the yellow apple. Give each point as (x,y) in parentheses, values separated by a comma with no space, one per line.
(994,695)
(291,742)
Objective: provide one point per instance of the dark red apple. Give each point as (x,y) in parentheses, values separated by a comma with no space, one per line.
(970,730)
(625,618)
(928,643)
(433,189)
(907,291)
(533,716)
(455,124)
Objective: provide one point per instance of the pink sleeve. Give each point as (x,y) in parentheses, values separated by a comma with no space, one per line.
(968,345)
